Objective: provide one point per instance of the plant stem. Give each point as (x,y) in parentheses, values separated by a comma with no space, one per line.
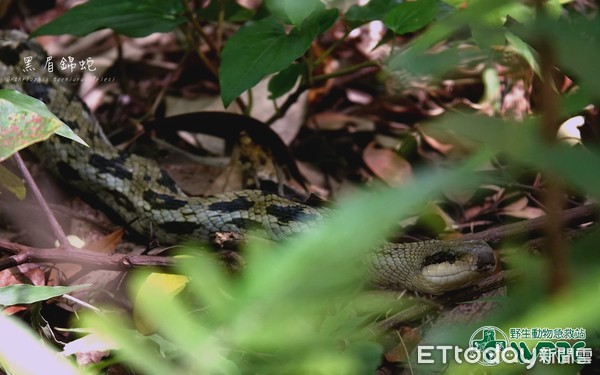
(331,48)
(58,231)
(194,20)
(345,71)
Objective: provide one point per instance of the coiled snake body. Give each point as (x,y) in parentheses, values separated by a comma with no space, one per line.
(144,195)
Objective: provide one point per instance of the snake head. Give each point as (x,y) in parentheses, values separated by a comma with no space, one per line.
(432,267)
(455,265)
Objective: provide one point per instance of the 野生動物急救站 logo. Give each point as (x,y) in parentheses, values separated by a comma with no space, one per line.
(490,346)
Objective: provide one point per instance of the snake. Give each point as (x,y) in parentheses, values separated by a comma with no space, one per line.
(145,197)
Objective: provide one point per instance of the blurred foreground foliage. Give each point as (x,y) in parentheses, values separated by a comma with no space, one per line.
(300,306)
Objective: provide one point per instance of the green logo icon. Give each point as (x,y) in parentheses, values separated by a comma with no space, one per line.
(490,341)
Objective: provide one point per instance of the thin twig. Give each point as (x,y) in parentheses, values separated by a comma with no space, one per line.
(194,20)
(58,231)
(287,104)
(80,302)
(332,47)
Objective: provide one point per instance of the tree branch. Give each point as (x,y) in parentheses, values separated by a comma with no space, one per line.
(573,216)
(117,262)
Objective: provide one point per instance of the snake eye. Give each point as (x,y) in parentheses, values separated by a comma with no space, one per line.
(443,256)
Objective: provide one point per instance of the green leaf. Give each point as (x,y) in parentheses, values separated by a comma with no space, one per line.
(243,324)
(263,47)
(134,18)
(12,183)
(257,49)
(24,121)
(521,141)
(18,294)
(574,44)
(411,16)
(524,50)
(298,11)
(293,11)
(319,22)
(374,10)
(488,36)
(285,80)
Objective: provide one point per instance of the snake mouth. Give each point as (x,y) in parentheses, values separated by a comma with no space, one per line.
(450,270)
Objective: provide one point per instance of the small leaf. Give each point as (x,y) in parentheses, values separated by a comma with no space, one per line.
(12,183)
(387,165)
(285,80)
(23,294)
(524,50)
(107,244)
(132,18)
(24,121)
(492,94)
(411,16)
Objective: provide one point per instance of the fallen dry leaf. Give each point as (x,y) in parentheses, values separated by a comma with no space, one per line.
(408,340)
(107,244)
(387,165)
(338,121)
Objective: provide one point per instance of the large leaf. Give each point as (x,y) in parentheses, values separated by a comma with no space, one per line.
(134,18)
(263,48)
(24,121)
(17,294)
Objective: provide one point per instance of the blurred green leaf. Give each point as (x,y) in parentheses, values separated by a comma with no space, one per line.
(12,183)
(21,351)
(373,10)
(411,16)
(134,18)
(293,11)
(287,312)
(23,293)
(522,141)
(24,121)
(574,42)
(524,50)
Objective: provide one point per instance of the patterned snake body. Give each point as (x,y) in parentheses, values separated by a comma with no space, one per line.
(142,194)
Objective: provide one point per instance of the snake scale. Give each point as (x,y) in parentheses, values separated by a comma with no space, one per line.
(142,194)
